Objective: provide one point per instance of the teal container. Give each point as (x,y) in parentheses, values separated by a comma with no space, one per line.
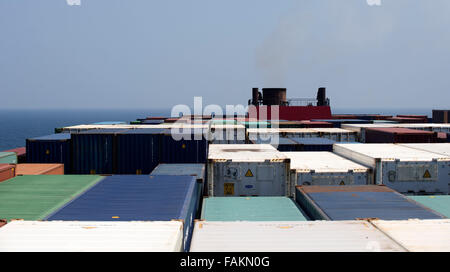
(8,157)
(256,124)
(438,203)
(223,122)
(251,209)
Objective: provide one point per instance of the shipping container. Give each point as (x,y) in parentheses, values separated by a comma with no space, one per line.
(55,148)
(441,116)
(36,196)
(138,151)
(403,169)
(21,153)
(337,134)
(271,208)
(314,144)
(418,235)
(184,146)
(408,120)
(8,157)
(94,151)
(268,133)
(110,123)
(39,169)
(286,124)
(282,144)
(227,134)
(337,123)
(72,236)
(399,135)
(247,170)
(7,171)
(3,222)
(317,124)
(137,198)
(359,202)
(197,170)
(438,203)
(325,168)
(307,236)
(442,148)
(256,124)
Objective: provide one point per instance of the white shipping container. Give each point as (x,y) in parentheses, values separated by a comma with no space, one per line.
(75,236)
(442,149)
(265,133)
(306,236)
(325,168)
(401,168)
(227,134)
(418,235)
(247,170)
(337,134)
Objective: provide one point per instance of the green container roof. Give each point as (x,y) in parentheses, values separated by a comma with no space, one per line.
(8,157)
(439,203)
(251,209)
(35,197)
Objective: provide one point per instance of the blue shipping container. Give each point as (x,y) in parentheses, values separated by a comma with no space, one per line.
(55,148)
(93,151)
(353,202)
(138,151)
(314,144)
(183,147)
(136,198)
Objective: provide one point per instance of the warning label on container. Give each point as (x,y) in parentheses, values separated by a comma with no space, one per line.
(427,174)
(342,183)
(249,173)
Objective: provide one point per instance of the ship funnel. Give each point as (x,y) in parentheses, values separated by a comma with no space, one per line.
(322,97)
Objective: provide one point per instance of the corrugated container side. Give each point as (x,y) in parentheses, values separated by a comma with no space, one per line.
(399,135)
(137,198)
(138,151)
(354,202)
(33,197)
(39,169)
(8,157)
(306,236)
(54,148)
(94,153)
(7,171)
(438,203)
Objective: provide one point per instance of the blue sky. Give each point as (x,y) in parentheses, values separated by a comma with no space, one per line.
(155,54)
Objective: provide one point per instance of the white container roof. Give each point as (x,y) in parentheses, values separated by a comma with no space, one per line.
(439,148)
(244,152)
(306,236)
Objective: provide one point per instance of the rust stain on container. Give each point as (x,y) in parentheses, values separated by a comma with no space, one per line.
(39,169)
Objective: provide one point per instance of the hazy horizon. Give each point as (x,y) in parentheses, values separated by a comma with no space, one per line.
(112,54)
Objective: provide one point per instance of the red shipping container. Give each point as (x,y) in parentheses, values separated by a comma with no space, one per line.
(7,171)
(39,169)
(399,135)
(407,120)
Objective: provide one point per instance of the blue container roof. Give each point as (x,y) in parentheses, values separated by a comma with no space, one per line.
(132,198)
(179,169)
(382,205)
(58,136)
(313,141)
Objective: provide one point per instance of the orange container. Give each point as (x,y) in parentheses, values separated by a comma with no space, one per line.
(39,169)
(7,171)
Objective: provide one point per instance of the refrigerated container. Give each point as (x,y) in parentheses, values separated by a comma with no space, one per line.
(325,168)
(337,134)
(247,170)
(271,208)
(439,148)
(73,236)
(36,196)
(401,168)
(359,202)
(307,236)
(265,134)
(283,144)
(136,198)
(418,235)
(55,148)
